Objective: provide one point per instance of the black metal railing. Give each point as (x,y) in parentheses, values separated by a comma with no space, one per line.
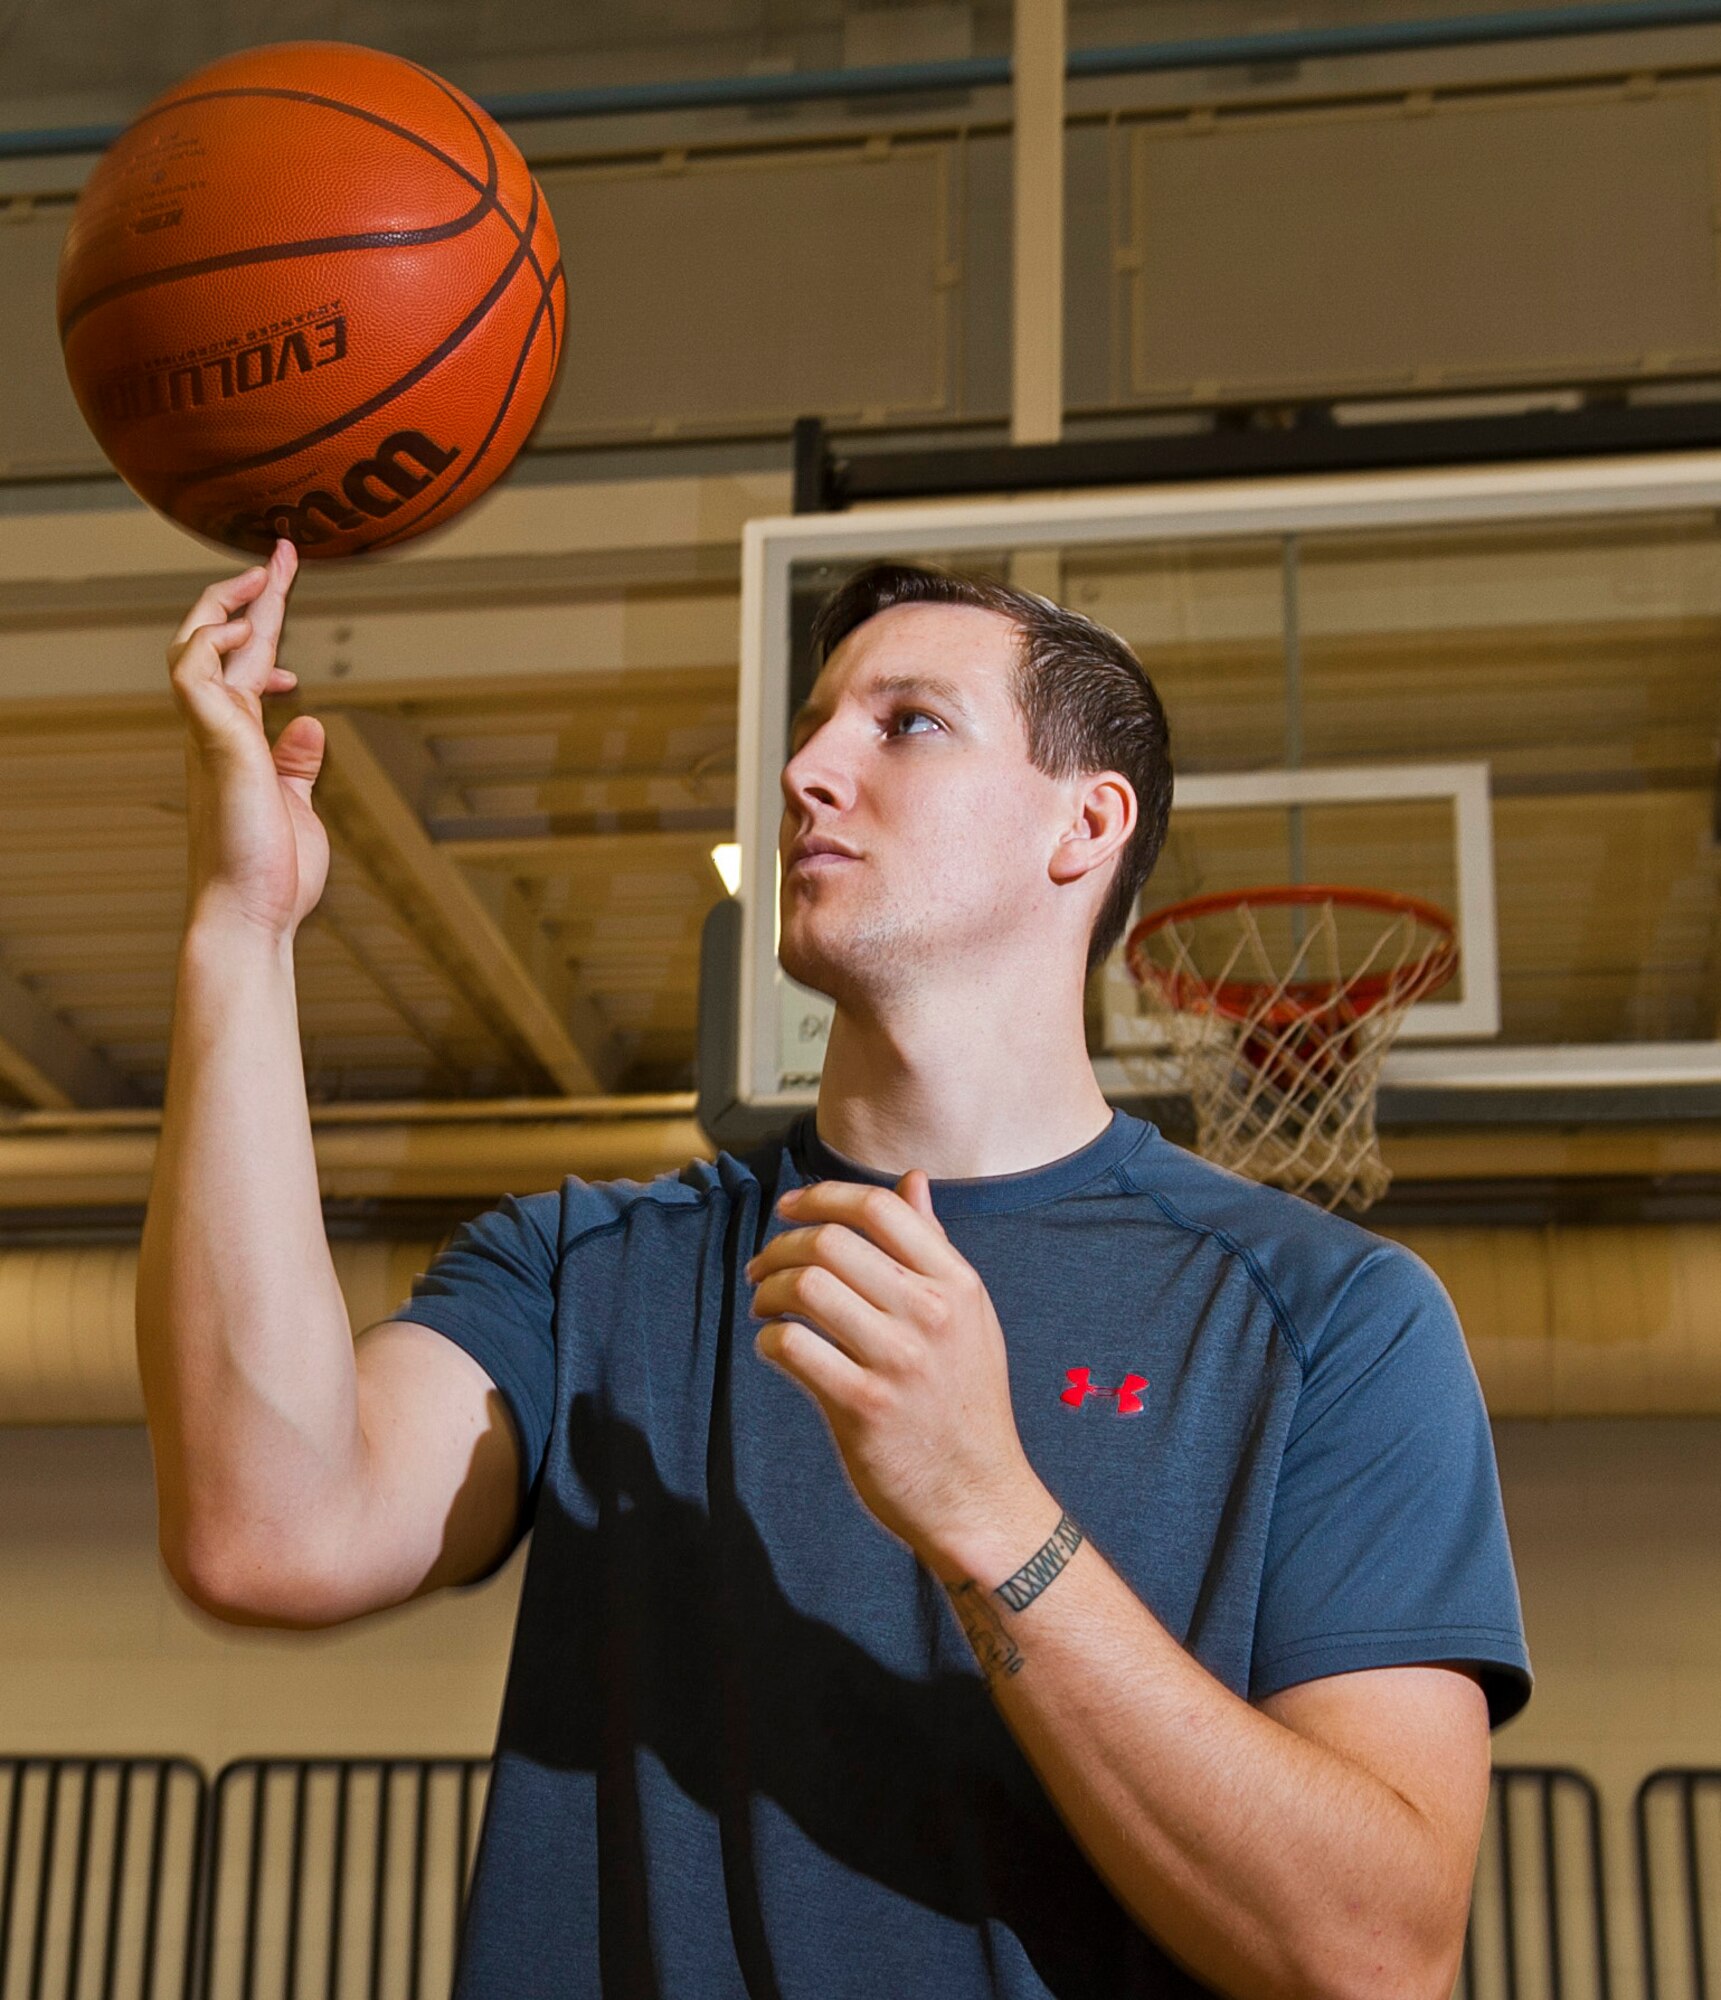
(100,1868)
(1538,1911)
(1678,1828)
(335,1878)
(345,1878)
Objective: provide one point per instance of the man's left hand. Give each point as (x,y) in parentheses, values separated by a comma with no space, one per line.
(895,1337)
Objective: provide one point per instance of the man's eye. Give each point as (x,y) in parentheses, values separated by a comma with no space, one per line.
(902,723)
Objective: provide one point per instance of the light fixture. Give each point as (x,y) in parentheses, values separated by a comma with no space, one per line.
(726,859)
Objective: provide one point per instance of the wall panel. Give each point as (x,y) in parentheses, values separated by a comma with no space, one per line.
(41,430)
(1426,243)
(735,293)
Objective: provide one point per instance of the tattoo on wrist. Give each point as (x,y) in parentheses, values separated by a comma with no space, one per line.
(1020,1590)
(996,1651)
(983,1627)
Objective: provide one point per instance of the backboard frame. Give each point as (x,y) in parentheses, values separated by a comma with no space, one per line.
(1304,505)
(1474,1012)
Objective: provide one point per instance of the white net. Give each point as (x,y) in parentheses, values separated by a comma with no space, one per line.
(1279,1050)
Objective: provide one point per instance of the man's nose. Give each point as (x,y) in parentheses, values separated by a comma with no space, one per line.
(815,774)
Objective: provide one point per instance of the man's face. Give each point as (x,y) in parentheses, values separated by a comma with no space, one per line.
(915,831)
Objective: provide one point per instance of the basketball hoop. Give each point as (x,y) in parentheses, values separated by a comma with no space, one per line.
(1279,1047)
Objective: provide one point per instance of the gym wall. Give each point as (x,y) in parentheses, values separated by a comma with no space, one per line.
(1408,241)
(854,262)
(1616,1526)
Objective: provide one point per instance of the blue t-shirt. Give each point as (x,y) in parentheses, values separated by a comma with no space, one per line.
(745,1752)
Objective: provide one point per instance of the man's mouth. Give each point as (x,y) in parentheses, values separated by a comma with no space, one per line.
(813,854)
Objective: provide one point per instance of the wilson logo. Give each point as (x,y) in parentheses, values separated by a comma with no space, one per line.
(1082,1386)
(400,468)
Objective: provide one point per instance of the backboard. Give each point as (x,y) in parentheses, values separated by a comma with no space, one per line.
(1493,688)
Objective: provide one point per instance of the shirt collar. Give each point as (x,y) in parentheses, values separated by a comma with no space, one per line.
(990,1194)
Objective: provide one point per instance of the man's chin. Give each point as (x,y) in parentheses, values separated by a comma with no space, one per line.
(858,965)
(808,966)
(842,962)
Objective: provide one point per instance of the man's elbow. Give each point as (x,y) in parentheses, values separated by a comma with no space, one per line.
(1411,1961)
(245,1585)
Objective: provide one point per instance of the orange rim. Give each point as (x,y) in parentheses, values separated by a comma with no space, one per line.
(1239,999)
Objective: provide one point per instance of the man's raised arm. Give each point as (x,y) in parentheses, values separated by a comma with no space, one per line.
(299,1482)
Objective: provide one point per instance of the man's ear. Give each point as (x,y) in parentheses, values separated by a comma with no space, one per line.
(1104,818)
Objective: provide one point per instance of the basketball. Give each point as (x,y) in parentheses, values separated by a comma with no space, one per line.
(312,291)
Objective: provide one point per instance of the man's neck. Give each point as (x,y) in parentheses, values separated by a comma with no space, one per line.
(975,1084)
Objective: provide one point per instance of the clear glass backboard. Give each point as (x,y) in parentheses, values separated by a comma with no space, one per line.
(1495,689)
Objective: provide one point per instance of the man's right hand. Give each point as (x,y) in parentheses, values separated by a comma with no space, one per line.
(257,849)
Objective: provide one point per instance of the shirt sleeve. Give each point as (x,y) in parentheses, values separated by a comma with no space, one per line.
(492,1291)
(1388,1542)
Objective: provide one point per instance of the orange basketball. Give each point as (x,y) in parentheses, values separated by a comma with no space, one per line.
(312,291)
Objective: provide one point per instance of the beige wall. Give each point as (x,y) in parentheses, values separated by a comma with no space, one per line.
(99,1652)
(1616,1526)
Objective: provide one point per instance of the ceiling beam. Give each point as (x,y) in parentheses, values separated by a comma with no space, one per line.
(569,578)
(479,1150)
(408,652)
(486,937)
(564,853)
(540,520)
(329,590)
(46,1062)
(387,1158)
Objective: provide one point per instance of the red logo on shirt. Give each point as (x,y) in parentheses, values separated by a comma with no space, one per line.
(1127,1392)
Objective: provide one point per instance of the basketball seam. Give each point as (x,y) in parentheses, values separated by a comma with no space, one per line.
(328,103)
(494,177)
(400,532)
(546,306)
(488,189)
(382,398)
(381,239)
(471,467)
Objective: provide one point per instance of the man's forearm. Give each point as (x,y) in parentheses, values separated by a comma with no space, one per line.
(244,1343)
(1321,1845)
(1267,1863)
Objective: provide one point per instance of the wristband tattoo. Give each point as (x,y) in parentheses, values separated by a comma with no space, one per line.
(1020,1590)
(994,1647)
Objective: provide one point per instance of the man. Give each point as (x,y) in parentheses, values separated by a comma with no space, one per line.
(978,1549)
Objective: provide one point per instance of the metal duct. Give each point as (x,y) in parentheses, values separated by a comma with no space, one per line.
(66,1312)
(384,1152)
(1579,1319)
(964,73)
(1562,1321)
(1587,1320)
(67,1353)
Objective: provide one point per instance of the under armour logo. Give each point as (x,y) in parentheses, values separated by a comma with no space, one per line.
(1127,1392)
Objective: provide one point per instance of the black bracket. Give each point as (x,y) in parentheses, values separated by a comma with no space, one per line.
(1246,444)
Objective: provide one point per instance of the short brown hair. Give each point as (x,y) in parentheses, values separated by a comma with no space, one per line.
(1085,702)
